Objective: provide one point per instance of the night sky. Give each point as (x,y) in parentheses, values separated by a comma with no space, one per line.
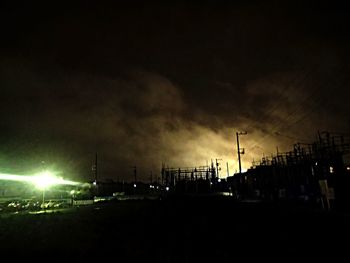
(146,83)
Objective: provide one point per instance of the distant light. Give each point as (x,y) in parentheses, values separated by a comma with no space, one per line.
(157,187)
(94,183)
(134,185)
(316,163)
(348,168)
(219,180)
(331,169)
(167,188)
(211,183)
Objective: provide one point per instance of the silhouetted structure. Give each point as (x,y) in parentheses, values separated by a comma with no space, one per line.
(311,172)
(202,179)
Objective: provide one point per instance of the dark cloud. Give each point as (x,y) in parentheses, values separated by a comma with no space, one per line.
(149,83)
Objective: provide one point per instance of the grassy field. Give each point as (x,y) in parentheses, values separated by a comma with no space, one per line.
(175,230)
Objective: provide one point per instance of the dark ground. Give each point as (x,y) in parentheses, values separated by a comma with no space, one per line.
(176,230)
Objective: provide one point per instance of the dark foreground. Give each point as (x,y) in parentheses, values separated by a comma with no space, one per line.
(176,230)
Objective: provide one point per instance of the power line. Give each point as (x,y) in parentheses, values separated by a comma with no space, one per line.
(313,97)
(284,90)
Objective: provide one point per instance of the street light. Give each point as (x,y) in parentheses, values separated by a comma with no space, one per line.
(42,180)
(239,150)
(45,180)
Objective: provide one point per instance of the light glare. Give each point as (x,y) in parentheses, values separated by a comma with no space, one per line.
(42,180)
(45,180)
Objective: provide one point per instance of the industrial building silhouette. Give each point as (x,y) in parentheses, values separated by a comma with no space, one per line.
(314,173)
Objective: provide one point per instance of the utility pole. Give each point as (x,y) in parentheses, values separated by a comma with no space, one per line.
(217,167)
(239,150)
(96,167)
(135,175)
(134,180)
(43,203)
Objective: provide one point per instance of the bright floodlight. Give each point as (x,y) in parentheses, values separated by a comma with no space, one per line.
(45,179)
(42,180)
